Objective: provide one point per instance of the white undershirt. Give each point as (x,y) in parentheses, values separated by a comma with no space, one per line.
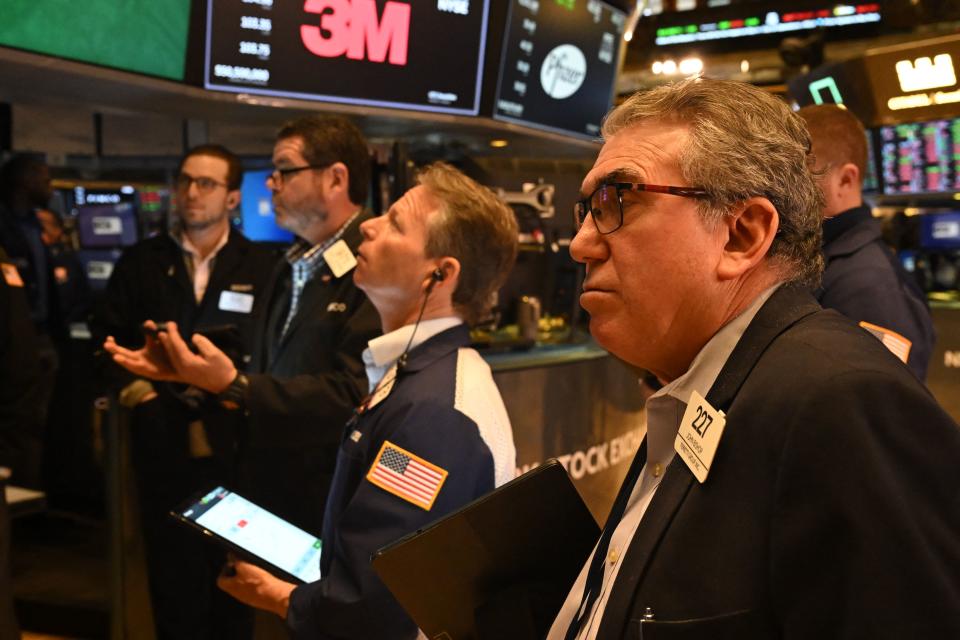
(202,267)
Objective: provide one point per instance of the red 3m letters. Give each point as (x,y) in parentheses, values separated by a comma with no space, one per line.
(352,28)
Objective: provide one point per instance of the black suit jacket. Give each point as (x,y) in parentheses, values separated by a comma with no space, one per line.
(832,509)
(151,282)
(303,389)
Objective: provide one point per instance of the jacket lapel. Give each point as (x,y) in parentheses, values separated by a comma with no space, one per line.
(316,293)
(228,259)
(785,307)
(171,256)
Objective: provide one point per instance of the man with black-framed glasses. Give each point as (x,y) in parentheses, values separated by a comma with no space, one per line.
(795,476)
(306,372)
(202,275)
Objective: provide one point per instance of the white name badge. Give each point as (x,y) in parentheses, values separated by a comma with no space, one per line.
(236,301)
(340,258)
(699,435)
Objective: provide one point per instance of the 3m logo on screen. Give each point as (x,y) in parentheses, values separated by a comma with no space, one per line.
(352,28)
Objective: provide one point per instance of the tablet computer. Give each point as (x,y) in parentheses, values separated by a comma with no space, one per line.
(526,541)
(253,533)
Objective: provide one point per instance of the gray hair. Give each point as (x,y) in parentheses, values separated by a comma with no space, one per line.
(744,142)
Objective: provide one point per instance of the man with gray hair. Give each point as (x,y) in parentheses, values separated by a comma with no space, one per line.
(796,480)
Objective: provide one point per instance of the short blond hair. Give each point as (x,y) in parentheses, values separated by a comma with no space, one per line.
(475,227)
(838,136)
(743,143)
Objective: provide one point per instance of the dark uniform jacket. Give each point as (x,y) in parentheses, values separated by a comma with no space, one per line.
(420,416)
(151,282)
(864,281)
(832,509)
(303,388)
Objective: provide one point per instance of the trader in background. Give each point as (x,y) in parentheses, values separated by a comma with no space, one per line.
(796,480)
(429,265)
(208,278)
(862,278)
(306,374)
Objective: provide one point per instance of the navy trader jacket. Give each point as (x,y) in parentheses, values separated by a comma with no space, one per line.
(863,280)
(303,388)
(421,416)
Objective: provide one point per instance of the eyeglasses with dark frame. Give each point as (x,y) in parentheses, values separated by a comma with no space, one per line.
(605,204)
(204,185)
(280,175)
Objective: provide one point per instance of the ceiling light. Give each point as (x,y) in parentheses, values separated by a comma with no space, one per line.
(499,143)
(690,66)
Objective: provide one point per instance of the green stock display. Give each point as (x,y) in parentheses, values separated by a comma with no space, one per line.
(145,36)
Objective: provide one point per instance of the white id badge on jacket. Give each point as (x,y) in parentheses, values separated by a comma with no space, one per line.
(699,435)
(235,301)
(340,258)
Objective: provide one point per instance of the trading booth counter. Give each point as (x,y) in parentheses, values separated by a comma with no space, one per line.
(576,403)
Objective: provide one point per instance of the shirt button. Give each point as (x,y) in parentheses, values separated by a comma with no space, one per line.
(657,469)
(612,556)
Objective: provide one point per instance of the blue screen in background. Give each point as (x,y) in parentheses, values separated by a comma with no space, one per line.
(256,210)
(940,230)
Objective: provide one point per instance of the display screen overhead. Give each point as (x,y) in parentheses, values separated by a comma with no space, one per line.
(559,64)
(424,55)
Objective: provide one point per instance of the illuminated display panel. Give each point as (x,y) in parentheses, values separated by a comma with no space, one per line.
(257,220)
(765,23)
(921,157)
(134,35)
(426,56)
(559,64)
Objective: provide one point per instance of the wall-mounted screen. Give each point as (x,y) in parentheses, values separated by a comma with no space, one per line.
(751,22)
(257,221)
(920,157)
(426,56)
(559,64)
(940,230)
(133,35)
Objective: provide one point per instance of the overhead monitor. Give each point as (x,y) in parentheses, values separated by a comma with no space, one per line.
(745,21)
(425,56)
(559,64)
(135,35)
(920,157)
(257,220)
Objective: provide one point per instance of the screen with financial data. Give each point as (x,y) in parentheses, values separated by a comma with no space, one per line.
(425,56)
(559,64)
(920,157)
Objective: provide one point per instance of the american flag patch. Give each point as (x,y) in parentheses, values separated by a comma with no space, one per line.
(407,476)
(892,340)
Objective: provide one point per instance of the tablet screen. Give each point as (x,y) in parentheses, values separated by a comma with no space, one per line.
(258,532)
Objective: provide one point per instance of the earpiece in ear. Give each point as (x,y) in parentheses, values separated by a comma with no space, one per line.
(437,275)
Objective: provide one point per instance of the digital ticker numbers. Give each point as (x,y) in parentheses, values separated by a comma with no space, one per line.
(559,63)
(423,55)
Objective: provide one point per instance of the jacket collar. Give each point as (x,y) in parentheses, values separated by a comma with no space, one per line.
(850,231)
(437,347)
(787,306)
(310,303)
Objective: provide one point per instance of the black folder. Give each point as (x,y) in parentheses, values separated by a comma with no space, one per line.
(502,564)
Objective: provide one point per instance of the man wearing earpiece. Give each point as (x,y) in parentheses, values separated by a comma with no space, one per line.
(433,434)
